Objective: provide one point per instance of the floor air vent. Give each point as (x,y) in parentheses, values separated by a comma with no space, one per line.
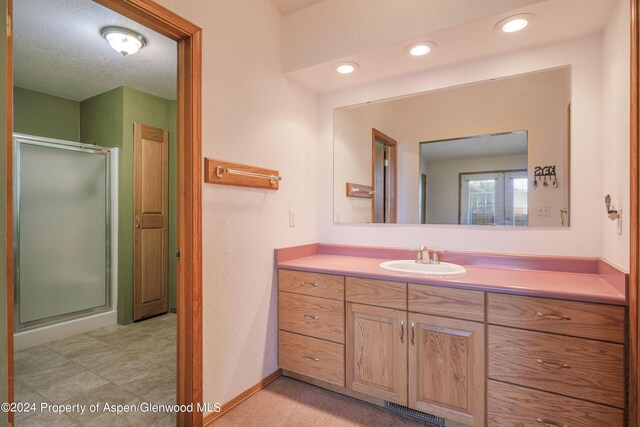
(420,416)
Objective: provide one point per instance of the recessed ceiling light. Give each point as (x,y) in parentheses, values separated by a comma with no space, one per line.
(515,23)
(346,67)
(123,40)
(419,48)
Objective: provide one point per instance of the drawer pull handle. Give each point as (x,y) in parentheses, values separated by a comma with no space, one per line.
(310,358)
(553,365)
(553,316)
(402,331)
(548,423)
(315,285)
(310,317)
(413,333)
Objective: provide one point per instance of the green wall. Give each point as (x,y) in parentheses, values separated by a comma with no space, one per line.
(3,213)
(123,107)
(37,113)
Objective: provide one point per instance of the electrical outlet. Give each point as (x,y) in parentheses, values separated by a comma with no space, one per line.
(292,218)
(543,211)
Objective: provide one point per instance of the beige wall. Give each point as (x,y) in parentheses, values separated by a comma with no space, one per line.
(615,141)
(251,114)
(535,102)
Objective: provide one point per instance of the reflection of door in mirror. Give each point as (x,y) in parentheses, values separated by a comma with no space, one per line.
(384,177)
(495,198)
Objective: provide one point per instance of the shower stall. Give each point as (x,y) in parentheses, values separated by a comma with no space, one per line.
(64,238)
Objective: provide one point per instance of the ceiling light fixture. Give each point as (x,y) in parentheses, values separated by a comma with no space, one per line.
(515,23)
(346,67)
(419,48)
(123,40)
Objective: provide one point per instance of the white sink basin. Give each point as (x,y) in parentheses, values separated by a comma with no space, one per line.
(409,266)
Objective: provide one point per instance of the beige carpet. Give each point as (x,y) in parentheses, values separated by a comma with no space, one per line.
(287,402)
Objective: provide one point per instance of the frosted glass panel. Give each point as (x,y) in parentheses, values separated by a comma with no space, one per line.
(62,231)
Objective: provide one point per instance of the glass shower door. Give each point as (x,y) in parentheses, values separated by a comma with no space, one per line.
(62,230)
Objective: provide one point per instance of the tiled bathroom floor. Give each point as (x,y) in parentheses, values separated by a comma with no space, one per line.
(117,364)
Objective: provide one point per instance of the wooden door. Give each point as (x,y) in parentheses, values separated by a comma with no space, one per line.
(447,368)
(376,352)
(151,151)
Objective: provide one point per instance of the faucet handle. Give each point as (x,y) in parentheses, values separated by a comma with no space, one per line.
(419,257)
(436,259)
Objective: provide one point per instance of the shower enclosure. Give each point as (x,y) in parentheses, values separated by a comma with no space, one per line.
(62,230)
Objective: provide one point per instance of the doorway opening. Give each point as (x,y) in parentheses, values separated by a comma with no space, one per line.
(188,272)
(384,165)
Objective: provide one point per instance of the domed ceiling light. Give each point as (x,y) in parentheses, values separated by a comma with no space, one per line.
(123,40)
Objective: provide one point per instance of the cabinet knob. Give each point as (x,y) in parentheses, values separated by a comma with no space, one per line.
(402,331)
(553,365)
(552,316)
(310,317)
(310,358)
(548,423)
(413,333)
(315,285)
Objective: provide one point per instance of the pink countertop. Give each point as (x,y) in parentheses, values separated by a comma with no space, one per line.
(592,280)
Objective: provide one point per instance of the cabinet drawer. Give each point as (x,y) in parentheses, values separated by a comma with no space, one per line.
(312,357)
(381,293)
(316,317)
(577,367)
(314,284)
(510,405)
(580,319)
(447,302)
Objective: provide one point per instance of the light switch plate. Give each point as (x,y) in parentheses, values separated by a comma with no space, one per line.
(292,218)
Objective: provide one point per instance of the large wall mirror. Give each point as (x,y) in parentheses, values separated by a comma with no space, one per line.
(491,153)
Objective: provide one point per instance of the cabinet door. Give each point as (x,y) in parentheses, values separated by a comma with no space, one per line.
(376,352)
(447,368)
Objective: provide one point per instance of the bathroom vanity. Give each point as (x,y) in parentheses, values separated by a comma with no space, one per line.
(515,340)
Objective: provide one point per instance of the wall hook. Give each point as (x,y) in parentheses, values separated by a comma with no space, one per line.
(612,213)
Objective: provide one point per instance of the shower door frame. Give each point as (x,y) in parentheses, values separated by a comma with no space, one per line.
(73,146)
(189,272)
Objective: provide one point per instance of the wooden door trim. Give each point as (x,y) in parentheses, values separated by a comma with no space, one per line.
(376,135)
(189,137)
(634,319)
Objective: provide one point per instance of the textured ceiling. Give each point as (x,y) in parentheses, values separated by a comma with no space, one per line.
(286,7)
(58,50)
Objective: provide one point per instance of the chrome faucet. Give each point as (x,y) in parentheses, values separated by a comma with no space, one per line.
(422,257)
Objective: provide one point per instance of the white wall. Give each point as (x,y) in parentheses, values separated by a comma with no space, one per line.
(615,141)
(333,29)
(252,115)
(584,237)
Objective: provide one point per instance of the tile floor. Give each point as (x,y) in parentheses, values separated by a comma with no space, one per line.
(117,364)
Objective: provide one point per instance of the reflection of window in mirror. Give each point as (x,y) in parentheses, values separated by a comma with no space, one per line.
(383,177)
(496,198)
(476,180)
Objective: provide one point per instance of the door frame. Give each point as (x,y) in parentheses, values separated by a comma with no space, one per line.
(392,144)
(189,271)
(634,224)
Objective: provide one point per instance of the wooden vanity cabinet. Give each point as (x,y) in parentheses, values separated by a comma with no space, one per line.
(427,362)
(376,352)
(311,325)
(447,368)
(472,357)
